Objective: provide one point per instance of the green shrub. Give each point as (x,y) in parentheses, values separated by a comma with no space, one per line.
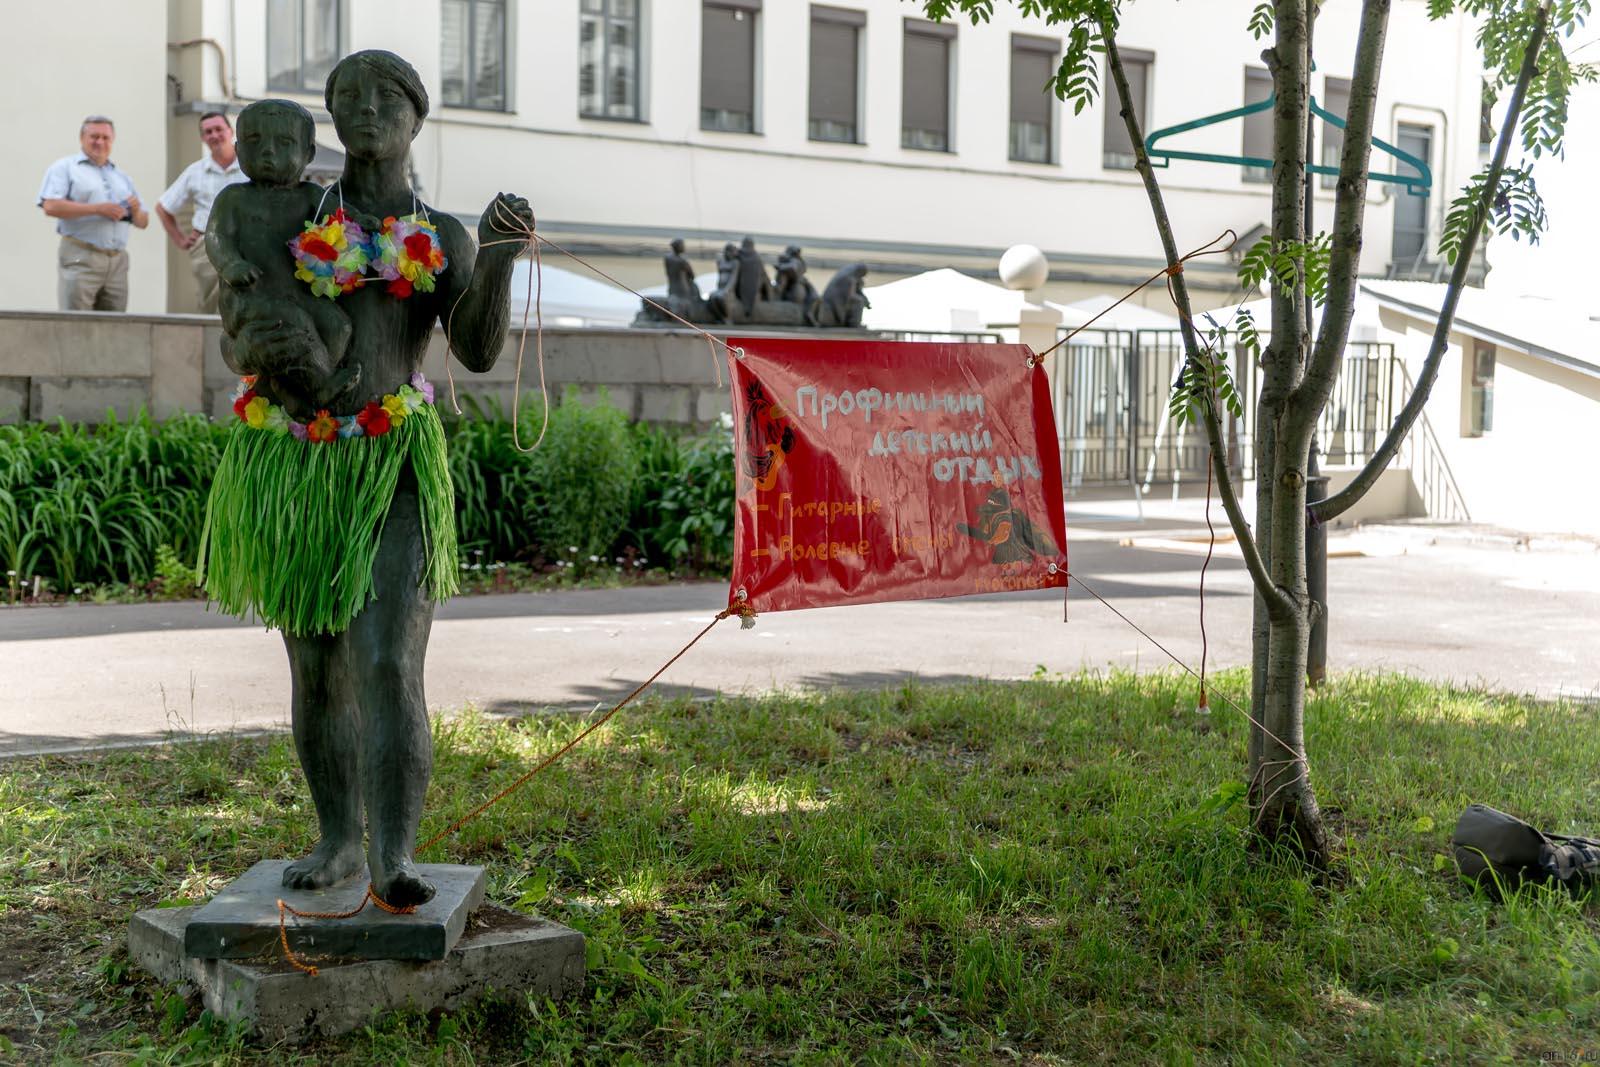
(82,505)
(581,481)
(179,581)
(493,512)
(684,504)
(124,502)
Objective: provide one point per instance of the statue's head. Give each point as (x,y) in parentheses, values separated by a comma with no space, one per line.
(677,245)
(276,140)
(730,249)
(378,102)
(792,251)
(747,245)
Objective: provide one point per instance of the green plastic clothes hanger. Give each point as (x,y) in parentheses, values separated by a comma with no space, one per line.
(1417,184)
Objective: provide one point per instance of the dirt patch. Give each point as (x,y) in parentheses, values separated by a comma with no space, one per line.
(29,952)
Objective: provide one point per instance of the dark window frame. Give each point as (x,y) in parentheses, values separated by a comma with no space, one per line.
(1032,46)
(470,100)
(1480,389)
(1332,145)
(855,21)
(716,120)
(1256,175)
(606,19)
(298,82)
(1402,266)
(1115,159)
(945,33)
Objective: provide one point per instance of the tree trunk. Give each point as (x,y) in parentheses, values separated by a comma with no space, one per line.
(1284,807)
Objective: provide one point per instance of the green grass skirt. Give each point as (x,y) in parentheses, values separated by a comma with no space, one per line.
(292,527)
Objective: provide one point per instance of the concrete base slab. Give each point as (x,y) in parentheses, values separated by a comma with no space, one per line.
(242,921)
(501,953)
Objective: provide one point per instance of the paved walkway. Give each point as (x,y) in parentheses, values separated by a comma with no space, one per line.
(1526,621)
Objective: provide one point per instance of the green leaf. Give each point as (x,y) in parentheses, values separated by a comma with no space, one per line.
(1261,21)
(1445,951)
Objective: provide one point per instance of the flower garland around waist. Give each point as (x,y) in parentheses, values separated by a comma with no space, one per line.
(374,420)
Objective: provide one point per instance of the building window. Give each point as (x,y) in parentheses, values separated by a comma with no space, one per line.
(302,44)
(1336,100)
(1410,249)
(473,54)
(728,65)
(1257,126)
(835,74)
(1117,151)
(1033,64)
(925,85)
(1480,391)
(608,59)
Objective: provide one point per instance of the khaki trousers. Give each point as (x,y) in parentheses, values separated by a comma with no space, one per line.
(205,275)
(91,279)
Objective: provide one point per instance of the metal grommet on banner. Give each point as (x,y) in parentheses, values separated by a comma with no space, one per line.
(738,352)
(747,618)
(1052,569)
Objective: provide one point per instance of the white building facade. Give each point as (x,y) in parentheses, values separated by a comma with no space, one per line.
(855,129)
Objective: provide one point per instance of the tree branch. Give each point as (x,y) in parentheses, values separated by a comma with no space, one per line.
(1349,208)
(1191,343)
(1284,359)
(1341,502)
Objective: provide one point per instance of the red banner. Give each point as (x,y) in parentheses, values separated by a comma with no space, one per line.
(888,470)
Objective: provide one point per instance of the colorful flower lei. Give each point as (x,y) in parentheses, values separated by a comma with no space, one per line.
(374,420)
(333,255)
(408,254)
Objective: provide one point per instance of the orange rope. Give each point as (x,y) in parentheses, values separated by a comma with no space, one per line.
(514,786)
(285,909)
(526,235)
(530,237)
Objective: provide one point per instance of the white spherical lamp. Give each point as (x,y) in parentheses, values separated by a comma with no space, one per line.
(1024,267)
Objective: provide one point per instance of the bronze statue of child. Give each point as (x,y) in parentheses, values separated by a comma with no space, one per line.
(252,226)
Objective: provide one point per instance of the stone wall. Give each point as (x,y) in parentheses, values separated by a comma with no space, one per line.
(78,365)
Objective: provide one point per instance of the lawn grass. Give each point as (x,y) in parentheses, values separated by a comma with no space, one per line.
(1050,871)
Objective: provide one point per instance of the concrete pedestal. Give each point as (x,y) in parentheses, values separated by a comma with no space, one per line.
(241,922)
(499,953)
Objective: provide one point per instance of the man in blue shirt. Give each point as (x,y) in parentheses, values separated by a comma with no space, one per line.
(93,203)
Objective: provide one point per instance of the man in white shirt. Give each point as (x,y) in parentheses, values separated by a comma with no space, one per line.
(93,202)
(199,184)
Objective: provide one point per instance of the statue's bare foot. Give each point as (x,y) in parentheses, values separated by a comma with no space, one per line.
(329,863)
(398,884)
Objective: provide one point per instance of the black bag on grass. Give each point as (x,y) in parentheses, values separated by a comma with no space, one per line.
(1500,852)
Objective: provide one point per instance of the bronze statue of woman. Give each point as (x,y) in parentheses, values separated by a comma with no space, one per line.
(337,526)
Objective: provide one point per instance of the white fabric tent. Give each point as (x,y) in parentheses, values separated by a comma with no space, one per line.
(941,301)
(945,300)
(569,299)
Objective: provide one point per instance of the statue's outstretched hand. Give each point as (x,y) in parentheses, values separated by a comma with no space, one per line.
(507,217)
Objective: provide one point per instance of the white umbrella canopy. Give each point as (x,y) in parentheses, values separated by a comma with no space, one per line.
(941,301)
(569,299)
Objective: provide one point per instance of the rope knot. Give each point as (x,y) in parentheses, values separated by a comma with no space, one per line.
(1174,270)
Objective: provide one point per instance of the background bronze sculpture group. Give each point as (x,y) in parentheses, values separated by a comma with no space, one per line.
(745,294)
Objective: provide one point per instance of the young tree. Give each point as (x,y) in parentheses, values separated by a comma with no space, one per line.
(1304,269)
